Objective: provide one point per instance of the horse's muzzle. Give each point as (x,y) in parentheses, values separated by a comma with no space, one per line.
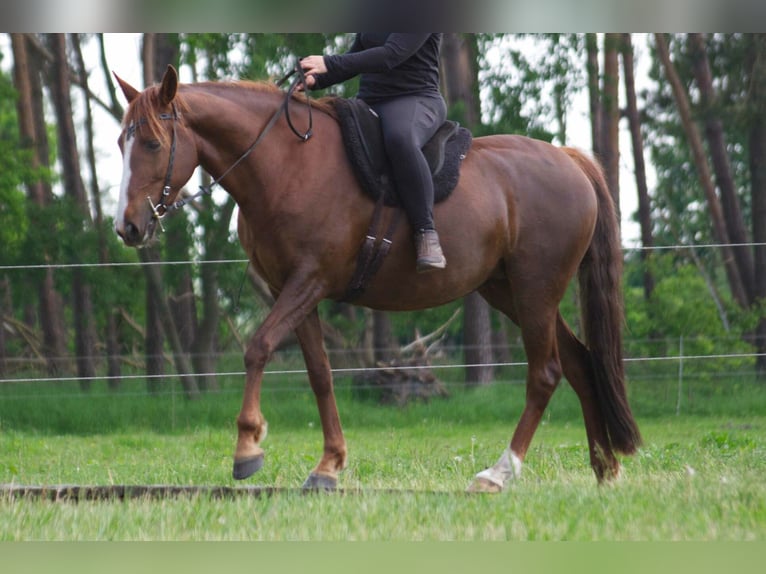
(130,234)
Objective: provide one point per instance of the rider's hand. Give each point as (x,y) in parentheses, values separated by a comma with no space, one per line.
(313,65)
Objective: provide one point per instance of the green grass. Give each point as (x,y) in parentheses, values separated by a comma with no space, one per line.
(699,476)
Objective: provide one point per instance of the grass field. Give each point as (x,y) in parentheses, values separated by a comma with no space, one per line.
(700,476)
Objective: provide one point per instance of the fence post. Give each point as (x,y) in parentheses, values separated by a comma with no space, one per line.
(680,373)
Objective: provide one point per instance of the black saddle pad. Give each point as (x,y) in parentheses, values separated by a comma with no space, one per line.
(363,140)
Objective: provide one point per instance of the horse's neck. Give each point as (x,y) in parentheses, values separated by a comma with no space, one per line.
(218,113)
(228,120)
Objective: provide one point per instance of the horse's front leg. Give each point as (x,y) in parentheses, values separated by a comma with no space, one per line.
(325,474)
(295,301)
(251,424)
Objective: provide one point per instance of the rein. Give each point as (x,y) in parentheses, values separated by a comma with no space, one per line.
(372,252)
(161,209)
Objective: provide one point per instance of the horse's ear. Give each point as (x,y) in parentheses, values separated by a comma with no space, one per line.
(169,85)
(129,91)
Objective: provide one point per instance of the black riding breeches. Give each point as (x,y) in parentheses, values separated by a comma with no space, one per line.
(408,122)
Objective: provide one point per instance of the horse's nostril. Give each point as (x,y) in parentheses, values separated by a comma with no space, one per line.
(130,235)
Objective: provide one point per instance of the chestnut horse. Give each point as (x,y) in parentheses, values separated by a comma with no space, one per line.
(525,217)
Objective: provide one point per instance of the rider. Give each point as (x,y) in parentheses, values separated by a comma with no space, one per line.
(399,80)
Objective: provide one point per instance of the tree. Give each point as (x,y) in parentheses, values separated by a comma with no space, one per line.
(634,123)
(74,189)
(714,84)
(159,50)
(459,64)
(714,134)
(610,146)
(13,215)
(112,338)
(703,169)
(34,137)
(594,92)
(603,97)
(711,84)
(756,137)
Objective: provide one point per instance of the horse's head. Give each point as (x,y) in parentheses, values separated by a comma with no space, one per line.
(159,157)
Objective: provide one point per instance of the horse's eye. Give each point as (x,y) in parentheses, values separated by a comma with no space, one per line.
(152,145)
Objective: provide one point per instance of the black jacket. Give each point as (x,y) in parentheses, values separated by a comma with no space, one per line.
(390,65)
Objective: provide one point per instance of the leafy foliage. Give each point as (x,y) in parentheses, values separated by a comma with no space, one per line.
(528,84)
(13,172)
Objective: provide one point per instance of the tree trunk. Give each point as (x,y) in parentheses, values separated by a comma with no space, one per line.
(33,135)
(735,224)
(204,346)
(382,336)
(114,107)
(610,140)
(501,343)
(179,278)
(5,309)
(594,93)
(367,339)
(703,171)
(460,73)
(477,341)
(757,140)
(634,121)
(460,78)
(215,236)
(158,311)
(158,51)
(183,309)
(180,359)
(154,341)
(74,188)
(114,370)
(154,336)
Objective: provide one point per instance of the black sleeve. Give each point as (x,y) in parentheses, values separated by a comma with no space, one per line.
(342,67)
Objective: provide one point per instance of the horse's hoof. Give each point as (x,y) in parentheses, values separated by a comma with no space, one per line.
(320,482)
(247,467)
(484,486)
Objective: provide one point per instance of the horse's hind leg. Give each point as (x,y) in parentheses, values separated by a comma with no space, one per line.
(537,320)
(325,475)
(575,360)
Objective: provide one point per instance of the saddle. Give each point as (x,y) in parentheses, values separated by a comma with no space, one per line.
(363,141)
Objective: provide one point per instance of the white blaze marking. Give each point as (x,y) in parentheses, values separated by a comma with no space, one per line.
(506,468)
(122,204)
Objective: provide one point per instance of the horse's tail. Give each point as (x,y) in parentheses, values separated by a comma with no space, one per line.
(600,278)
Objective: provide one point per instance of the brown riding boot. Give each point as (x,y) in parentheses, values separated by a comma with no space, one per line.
(429,251)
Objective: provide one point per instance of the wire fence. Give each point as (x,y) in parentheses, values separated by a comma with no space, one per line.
(678,384)
(674,364)
(196,262)
(679,370)
(95,265)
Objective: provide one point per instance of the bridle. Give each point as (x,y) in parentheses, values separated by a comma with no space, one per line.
(162,208)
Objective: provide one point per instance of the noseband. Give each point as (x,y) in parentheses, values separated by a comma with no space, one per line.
(162,208)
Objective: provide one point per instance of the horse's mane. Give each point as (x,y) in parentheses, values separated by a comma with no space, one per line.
(323,104)
(142,111)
